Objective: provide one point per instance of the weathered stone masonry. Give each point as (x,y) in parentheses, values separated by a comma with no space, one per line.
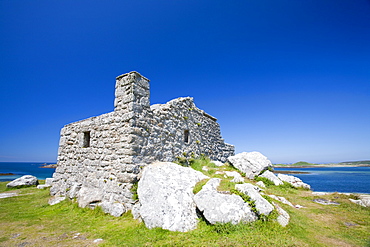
(102,156)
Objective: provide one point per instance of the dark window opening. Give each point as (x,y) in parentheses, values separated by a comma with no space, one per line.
(86,142)
(186,136)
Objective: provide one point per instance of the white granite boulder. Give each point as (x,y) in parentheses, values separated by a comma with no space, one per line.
(222,208)
(272,177)
(252,163)
(26,180)
(296,182)
(165,193)
(262,205)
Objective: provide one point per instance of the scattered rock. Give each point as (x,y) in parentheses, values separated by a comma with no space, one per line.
(283,218)
(165,192)
(7,194)
(350,224)
(252,163)
(296,182)
(98,240)
(222,208)
(26,180)
(365,200)
(272,177)
(262,205)
(15,235)
(79,236)
(204,168)
(325,202)
(56,199)
(359,202)
(113,208)
(282,199)
(237,178)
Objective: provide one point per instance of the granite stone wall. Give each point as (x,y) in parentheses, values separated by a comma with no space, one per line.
(103,155)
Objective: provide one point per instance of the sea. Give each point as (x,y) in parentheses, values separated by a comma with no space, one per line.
(334,179)
(25,168)
(325,179)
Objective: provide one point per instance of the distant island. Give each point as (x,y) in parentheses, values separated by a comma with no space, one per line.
(7,174)
(48,165)
(303,164)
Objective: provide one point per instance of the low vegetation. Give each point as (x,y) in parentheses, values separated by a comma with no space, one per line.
(27,219)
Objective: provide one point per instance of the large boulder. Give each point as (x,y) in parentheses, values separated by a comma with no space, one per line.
(165,193)
(252,163)
(296,182)
(272,177)
(222,208)
(26,180)
(262,205)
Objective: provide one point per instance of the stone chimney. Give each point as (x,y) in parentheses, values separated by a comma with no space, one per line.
(132,93)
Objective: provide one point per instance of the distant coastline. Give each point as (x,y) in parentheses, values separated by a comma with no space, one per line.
(48,166)
(303,164)
(7,174)
(319,165)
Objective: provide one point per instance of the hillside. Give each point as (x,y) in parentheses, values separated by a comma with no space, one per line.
(27,219)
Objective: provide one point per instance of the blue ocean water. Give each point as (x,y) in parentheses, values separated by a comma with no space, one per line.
(335,179)
(20,169)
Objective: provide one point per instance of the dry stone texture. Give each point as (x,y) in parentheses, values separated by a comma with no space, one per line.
(107,152)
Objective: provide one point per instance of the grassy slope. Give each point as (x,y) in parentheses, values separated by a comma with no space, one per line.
(39,224)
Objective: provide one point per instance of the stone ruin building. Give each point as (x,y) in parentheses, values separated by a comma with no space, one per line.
(100,158)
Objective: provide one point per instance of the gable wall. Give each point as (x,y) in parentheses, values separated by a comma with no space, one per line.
(133,135)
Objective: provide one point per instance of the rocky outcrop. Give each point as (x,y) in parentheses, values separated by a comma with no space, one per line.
(252,163)
(26,180)
(263,207)
(222,208)
(165,193)
(272,177)
(296,182)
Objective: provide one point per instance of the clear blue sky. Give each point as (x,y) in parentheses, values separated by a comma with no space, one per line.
(290,79)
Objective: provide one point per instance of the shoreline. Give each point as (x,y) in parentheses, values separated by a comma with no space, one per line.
(319,165)
(7,174)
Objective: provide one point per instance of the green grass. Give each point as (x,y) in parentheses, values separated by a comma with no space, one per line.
(28,218)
